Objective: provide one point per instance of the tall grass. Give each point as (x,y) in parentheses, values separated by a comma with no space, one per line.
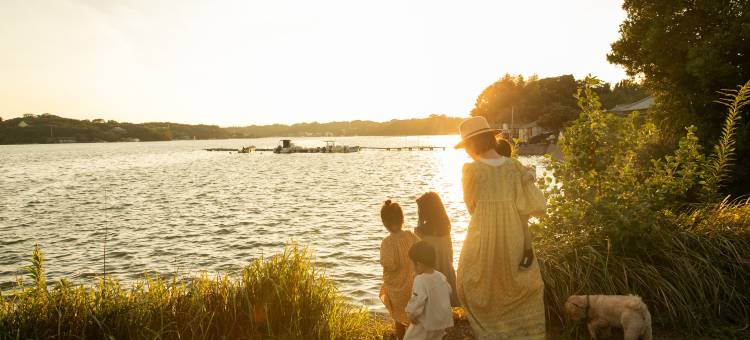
(692,277)
(280,297)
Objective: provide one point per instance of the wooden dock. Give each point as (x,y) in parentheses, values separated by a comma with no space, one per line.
(237,150)
(392,148)
(222,149)
(408,148)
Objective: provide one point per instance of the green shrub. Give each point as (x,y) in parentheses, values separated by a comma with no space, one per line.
(622,221)
(281,297)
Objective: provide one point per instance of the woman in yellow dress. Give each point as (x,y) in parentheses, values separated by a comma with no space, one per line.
(498,281)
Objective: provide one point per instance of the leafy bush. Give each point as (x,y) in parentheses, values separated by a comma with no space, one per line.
(280,297)
(622,221)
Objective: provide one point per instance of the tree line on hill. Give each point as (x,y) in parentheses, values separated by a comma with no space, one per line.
(432,125)
(49,128)
(547,101)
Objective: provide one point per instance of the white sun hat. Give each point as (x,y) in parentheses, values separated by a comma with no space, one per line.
(472,127)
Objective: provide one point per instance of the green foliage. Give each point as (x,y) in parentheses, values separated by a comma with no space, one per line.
(626,91)
(603,183)
(612,185)
(684,51)
(622,221)
(724,151)
(547,100)
(281,297)
(675,180)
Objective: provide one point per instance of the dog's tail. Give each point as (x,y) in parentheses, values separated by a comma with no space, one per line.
(638,305)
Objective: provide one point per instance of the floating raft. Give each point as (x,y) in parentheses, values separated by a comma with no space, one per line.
(286,147)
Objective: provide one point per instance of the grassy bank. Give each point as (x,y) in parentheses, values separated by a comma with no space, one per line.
(280,297)
(693,274)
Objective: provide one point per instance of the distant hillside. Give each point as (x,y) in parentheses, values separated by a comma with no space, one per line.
(432,125)
(48,128)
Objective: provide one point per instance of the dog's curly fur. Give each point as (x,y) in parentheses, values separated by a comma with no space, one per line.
(622,311)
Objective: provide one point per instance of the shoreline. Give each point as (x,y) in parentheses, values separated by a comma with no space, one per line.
(231,138)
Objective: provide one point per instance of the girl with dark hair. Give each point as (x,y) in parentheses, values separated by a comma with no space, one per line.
(434,227)
(498,280)
(398,269)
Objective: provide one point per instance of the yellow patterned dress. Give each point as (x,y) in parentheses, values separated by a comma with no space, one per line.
(501,300)
(398,273)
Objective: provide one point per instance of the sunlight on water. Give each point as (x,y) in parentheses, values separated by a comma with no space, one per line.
(172,207)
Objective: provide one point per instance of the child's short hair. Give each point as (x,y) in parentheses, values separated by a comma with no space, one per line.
(503,147)
(423,253)
(392,216)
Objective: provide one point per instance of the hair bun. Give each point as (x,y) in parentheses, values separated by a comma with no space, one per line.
(387,202)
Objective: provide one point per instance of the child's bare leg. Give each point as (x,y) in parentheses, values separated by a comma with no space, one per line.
(400,330)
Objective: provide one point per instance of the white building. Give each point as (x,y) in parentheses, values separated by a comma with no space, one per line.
(523,132)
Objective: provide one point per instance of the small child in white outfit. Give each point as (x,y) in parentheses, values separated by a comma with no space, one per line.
(429,308)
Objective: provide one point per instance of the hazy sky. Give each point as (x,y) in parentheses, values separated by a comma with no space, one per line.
(242,62)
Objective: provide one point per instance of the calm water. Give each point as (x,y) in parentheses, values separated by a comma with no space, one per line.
(172,207)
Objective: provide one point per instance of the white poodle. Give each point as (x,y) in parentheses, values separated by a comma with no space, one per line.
(622,311)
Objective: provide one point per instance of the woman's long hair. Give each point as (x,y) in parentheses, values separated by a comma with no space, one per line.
(433,220)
